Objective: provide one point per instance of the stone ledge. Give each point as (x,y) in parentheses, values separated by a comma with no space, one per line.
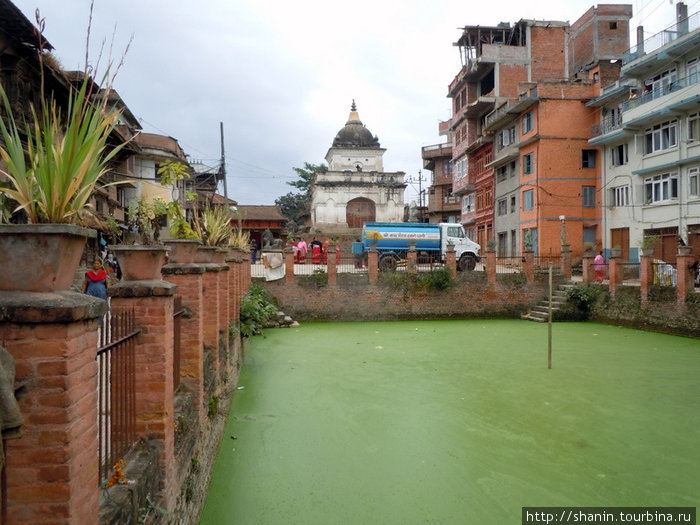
(183,269)
(49,307)
(215,267)
(154,288)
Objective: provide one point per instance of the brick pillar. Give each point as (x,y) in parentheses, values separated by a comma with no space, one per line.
(645,276)
(491,267)
(373,264)
(235,262)
(412,258)
(52,470)
(529,266)
(245,274)
(210,316)
(685,279)
(224,309)
(566,261)
(587,268)
(331,265)
(615,273)
(188,278)
(289,265)
(153,305)
(451,260)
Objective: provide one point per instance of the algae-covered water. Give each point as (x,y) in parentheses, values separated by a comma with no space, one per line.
(456,422)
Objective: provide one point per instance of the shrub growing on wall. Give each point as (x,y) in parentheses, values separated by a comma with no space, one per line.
(257,308)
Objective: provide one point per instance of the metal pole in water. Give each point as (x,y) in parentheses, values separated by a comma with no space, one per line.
(549,341)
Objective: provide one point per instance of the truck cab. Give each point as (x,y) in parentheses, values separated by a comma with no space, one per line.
(466,250)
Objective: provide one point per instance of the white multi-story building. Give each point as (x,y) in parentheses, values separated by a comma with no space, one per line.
(649,134)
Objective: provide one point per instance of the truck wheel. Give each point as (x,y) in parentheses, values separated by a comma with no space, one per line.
(466,263)
(387,263)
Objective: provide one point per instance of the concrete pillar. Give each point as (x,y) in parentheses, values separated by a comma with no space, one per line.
(188,278)
(615,268)
(373,264)
(685,279)
(451,260)
(331,265)
(289,265)
(529,266)
(587,267)
(412,258)
(491,267)
(566,261)
(52,470)
(153,305)
(646,276)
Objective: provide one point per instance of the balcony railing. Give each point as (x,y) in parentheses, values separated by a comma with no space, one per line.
(606,126)
(662,38)
(660,92)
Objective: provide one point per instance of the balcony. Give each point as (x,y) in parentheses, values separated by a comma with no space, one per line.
(671,42)
(655,94)
(607,125)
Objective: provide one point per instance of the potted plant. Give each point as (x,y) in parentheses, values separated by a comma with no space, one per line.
(54,163)
(491,245)
(616,251)
(144,260)
(648,244)
(213,226)
(183,240)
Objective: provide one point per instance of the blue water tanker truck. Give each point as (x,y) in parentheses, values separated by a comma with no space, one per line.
(392,240)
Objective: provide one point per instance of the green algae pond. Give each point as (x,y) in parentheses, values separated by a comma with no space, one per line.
(456,422)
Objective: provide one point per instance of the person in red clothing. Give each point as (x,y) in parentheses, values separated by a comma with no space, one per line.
(95,283)
(599,267)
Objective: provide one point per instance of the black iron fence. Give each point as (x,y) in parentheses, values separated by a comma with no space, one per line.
(116,389)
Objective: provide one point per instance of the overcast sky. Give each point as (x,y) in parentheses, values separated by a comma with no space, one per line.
(281,75)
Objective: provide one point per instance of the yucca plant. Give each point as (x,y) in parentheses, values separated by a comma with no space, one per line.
(52,178)
(213,226)
(239,239)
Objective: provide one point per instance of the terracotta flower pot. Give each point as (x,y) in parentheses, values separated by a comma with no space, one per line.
(182,250)
(205,254)
(139,262)
(40,257)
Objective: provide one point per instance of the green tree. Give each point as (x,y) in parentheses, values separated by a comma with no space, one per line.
(294,204)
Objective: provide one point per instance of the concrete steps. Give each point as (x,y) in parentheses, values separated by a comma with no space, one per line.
(540,312)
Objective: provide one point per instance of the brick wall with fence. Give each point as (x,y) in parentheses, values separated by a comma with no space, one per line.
(142,387)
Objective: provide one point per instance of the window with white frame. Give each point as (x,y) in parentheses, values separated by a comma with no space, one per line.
(528,200)
(661,137)
(694,127)
(468,203)
(588,196)
(528,123)
(660,188)
(460,169)
(621,196)
(660,83)
(506,137)
(694,182)
(513,204)
(618,155)
(501,173)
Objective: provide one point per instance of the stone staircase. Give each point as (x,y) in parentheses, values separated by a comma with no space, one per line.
(540,312)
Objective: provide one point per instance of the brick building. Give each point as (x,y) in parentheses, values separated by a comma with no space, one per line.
(443,206)
(520,127)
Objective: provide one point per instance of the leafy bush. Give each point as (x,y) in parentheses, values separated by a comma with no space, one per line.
(437,280)
(257,308)
(440,279)
(584,296)
(318,279)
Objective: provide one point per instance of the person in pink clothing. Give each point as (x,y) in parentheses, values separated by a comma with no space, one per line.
(303,248)
(599,267)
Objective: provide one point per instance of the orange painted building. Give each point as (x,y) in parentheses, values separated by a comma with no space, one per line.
(520,126)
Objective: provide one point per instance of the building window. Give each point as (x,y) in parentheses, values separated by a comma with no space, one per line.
(528,200)
(691,70)
(661,83)
(588,158)
(660,188)
(512,204)
(621,196)
(661,137)
(694,182)
(613,25)
(694,126)
(618,155)
(468,203)
(527,123)
(527,164)
(506,137)
(460,169)
(588,195)
(502,207)
(596,77)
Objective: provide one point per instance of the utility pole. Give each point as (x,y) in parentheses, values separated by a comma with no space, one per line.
(222,168)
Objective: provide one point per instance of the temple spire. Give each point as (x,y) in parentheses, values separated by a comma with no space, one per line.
(354,116)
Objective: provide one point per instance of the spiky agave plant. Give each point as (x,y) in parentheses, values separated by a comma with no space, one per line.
(213,226)
(65,157)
